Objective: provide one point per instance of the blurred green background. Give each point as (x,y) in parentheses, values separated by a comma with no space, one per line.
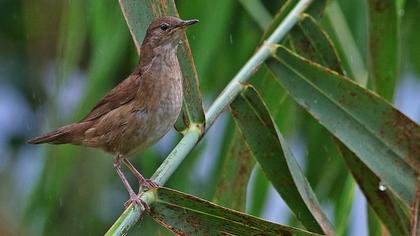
(57,58)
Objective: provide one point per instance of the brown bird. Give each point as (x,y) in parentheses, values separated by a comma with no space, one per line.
(138,111)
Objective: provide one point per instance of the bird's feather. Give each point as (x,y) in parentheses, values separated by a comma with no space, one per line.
(120,95)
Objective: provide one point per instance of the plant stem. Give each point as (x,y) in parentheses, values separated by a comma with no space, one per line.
(192,136)
(174,159)
(234,87)
(130,216)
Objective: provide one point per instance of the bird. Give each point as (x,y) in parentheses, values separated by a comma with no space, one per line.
(138,111)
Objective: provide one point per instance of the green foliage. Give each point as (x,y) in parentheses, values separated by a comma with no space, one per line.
(186,214)
(382,201)
(234,177)
(268,146)
(383,46)
(329,82)
(362,117)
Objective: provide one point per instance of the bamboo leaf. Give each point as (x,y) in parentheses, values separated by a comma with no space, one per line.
(374,224)
(380,199)
(275,158)
(232,184)
(258,11)
(383,53)
(315,45)
(315,10)
(188,215)
(223,153)
(345,43)
(138,15)
(376,132)
(410,37)
(310,41)
(260,189)
(344,206)
(415,212)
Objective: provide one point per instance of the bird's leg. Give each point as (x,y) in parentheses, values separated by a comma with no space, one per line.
(134,198)
(143,182)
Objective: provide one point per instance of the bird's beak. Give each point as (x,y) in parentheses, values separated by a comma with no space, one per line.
(187,23)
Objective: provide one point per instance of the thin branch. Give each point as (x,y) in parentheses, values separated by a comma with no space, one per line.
(130,216)
(192,136)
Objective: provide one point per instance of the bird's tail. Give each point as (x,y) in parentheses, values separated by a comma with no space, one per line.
(61,135)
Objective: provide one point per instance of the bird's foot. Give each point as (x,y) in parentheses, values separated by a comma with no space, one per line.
(148,183)
(134,199)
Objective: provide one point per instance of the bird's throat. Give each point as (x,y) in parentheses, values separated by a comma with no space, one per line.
(149,54)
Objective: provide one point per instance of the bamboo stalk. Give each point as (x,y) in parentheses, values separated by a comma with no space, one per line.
(132,214)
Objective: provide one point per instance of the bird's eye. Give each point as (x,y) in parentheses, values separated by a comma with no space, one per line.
(164,27)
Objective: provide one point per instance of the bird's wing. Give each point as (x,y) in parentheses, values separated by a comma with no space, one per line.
(121,94)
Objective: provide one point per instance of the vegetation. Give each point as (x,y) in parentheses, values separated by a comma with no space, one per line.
(311,94)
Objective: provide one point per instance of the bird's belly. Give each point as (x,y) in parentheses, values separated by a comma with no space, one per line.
(160,122)
(156,122)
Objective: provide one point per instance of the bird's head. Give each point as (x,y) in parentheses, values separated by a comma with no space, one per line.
(166,30)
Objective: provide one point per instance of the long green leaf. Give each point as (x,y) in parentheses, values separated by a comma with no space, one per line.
(345,43)
(393,216)
(138,15)
(415,212)
(315,10)
(310,41)
(258,11)
(411,47)
(277,161)
(233,182)
(260,187)
(344,206)
(188,215)
(376,132)
(374,224)
(383,46)
(380,200)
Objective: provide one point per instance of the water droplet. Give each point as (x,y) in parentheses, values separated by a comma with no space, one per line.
(315,101)
(230,39)
(382,186)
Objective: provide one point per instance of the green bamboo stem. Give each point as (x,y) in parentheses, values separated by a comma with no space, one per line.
(174,159)
(131,215)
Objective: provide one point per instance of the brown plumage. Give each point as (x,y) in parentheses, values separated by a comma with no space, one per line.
(139,110)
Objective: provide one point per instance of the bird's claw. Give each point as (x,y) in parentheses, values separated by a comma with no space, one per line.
(149,184)
(137,201)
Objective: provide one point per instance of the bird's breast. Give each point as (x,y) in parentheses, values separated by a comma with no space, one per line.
(164,94)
